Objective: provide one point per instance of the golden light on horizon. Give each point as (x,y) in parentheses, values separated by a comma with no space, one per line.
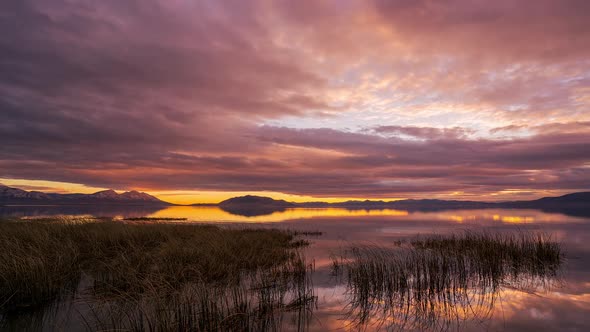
(182,197)
(211,197)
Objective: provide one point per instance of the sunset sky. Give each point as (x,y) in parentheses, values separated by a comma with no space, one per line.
(198,101)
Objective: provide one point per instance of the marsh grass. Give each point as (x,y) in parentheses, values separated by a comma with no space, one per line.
(154,276)
(259,303)
(438,282)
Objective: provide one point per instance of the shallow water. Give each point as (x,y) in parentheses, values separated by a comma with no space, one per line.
(563,305)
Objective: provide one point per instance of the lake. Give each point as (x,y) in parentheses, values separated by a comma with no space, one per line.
(560,305)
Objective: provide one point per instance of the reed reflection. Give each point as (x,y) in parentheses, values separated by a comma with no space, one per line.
(438,283)
(141,276)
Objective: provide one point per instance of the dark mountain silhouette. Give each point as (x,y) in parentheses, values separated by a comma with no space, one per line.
(576,204)
(14,196)
(580,200)
(250,205)
(255,200)
(430,204)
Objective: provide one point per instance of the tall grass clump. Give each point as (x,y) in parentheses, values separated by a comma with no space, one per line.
(436,281)
(153,276)
(36,263)
(500,256)
(261,302)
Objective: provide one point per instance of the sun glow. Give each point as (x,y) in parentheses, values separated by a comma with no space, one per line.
(211,197)
(182,197)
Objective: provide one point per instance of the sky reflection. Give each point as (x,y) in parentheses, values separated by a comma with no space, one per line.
(491,216)
(562,306)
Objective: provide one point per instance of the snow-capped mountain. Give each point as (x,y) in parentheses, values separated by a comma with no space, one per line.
(9,195)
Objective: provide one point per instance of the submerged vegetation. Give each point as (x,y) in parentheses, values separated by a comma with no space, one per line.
(436,282)
(154,276)
(153,219)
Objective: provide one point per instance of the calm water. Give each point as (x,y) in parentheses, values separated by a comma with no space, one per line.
(561,306)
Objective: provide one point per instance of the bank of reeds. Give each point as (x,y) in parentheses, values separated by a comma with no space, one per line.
(153,219)
(259,303)
(435,282)
(156,276)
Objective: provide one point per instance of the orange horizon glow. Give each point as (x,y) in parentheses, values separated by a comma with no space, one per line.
(188,197)
(173,196)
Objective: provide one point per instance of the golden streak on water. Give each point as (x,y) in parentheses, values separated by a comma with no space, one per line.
(208,214)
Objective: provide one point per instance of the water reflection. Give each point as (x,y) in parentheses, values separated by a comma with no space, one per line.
(215,214)
(17,211)
(157,277)
(438,283)
(564,306)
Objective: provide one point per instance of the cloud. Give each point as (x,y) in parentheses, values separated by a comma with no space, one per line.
(502,30)
(326,162)
(424,132)
(420,97)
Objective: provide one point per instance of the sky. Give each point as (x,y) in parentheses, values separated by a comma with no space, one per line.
(198,101)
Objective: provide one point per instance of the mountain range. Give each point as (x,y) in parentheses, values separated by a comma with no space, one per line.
(15,196)
(581,199)
(249,205)
(572,204)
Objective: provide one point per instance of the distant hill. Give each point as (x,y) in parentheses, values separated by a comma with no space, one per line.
(581,200)
(250,205)
(255,200)
(428,204)
(574,199)
(575,204)
(15,196)
(407,204)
